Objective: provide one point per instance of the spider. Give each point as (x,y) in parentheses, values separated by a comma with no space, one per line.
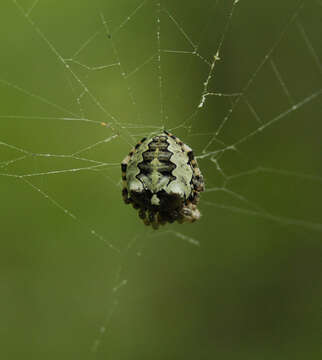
(162,180)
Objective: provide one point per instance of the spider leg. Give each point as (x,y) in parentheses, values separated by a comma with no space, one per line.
(195,197)
(197,179)
(177,140)
(161,219)
(125,192)
(190,213)
(142,215)
(153,219)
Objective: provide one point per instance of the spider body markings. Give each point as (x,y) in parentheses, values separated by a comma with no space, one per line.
(162,180)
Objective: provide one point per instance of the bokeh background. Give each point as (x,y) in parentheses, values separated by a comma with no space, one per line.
(252,288)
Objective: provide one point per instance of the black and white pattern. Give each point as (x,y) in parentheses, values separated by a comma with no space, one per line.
(162,180)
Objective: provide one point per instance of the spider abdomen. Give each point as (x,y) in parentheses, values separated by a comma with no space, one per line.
(162,180)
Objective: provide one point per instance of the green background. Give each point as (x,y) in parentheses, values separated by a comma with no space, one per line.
(252,289)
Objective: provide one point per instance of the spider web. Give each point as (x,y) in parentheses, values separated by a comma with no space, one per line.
(239,82)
